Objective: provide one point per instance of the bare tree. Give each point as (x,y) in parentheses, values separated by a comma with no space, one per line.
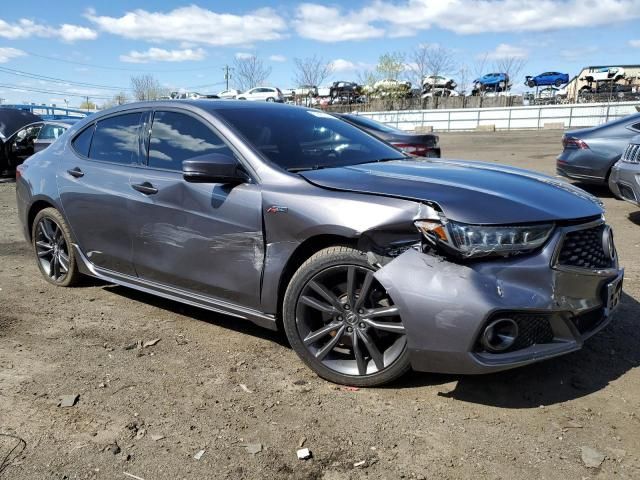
(311,70)
(431,60)
(440,60)
(118,99)
(366,77)
(146,87)
(418,64)
(511,65)
(480,65)
(250,72)
(464,80)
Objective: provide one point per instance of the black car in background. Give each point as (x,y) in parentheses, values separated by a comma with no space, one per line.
(416,144)
(13,149)
(22,134)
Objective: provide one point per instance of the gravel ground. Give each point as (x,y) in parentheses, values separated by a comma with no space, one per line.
(239,393)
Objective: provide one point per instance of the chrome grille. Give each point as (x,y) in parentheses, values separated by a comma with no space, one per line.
(631,154)
(584,249)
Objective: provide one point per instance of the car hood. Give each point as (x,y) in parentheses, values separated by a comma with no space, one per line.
(468,192)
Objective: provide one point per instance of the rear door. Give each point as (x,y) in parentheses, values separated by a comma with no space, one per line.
(95,190)
(202,237)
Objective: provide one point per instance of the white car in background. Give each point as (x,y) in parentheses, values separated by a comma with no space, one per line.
(231,93)
(262,94)
(605,73)
(438,81)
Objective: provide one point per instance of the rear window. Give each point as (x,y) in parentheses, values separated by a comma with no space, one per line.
(117,139)
(368,123)
(82,142)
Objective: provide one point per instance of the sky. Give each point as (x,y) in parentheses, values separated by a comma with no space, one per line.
(185,45)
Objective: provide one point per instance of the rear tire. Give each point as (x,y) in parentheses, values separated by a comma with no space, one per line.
(342,323)
(53,246)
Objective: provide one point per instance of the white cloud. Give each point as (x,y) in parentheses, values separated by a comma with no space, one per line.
(25,28)
(340,65)
(330,24)
(71,33)
(194,24)
(161,55)
(278,58)
(506,51)
(7,53)
(244,55)
(406,17)
(634,43)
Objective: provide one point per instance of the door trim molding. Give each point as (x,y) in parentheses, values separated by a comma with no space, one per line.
(172,293)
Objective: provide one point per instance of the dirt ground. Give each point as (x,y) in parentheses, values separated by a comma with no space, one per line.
(240,394)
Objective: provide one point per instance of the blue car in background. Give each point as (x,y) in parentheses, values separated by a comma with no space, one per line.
(494,82)
(548,78)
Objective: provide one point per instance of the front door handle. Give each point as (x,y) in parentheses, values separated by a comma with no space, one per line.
(76,172)
(145,187)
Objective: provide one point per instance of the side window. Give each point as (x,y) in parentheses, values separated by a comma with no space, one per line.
(82,142)
(50,132)
(176,137)
(636,127)
(116,139)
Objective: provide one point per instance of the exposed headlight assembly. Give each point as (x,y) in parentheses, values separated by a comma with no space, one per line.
(480,240)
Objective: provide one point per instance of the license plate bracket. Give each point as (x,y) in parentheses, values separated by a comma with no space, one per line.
(614,294)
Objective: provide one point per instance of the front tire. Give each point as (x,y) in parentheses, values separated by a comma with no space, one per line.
(52,245)
(342,323)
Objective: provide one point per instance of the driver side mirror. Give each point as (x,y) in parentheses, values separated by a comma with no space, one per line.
(213,168)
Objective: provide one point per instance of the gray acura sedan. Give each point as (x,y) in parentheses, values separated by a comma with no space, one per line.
(589,154)
(371,261)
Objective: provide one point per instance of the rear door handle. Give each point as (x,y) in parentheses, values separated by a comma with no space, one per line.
(76,172)
(145,187)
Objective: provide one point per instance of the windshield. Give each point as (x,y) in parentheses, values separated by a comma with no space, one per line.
(300,139)
(368,123)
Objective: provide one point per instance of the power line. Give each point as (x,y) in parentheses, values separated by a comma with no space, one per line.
(125,69)
(37,76)
(51,92)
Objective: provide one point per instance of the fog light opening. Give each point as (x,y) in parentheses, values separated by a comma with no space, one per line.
(500,335)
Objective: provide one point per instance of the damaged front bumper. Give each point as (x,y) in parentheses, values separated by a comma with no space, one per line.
(447,306)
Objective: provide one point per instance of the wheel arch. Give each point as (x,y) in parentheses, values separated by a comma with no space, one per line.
(36,207)
(301,254)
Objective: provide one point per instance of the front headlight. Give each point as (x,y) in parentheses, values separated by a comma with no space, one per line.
(479,240)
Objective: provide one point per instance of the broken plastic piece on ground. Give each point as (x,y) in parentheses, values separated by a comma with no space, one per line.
(68,400)
(304,454)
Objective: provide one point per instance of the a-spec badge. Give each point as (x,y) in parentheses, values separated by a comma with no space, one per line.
(277,209)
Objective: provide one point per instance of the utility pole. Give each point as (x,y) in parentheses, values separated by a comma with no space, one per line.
(227,74)
(87,103)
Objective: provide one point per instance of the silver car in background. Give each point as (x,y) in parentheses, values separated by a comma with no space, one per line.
(625,174)
(590,153)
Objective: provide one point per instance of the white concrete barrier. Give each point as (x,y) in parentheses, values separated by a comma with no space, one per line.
(578,115)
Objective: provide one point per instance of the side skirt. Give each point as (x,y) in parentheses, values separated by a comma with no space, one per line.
(194,299)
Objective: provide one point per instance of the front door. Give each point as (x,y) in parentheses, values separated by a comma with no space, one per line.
(202,237)
(95,190)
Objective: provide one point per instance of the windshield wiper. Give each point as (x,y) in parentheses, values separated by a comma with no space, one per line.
(306,169)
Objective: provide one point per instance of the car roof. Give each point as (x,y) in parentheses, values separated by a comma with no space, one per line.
(209,105)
